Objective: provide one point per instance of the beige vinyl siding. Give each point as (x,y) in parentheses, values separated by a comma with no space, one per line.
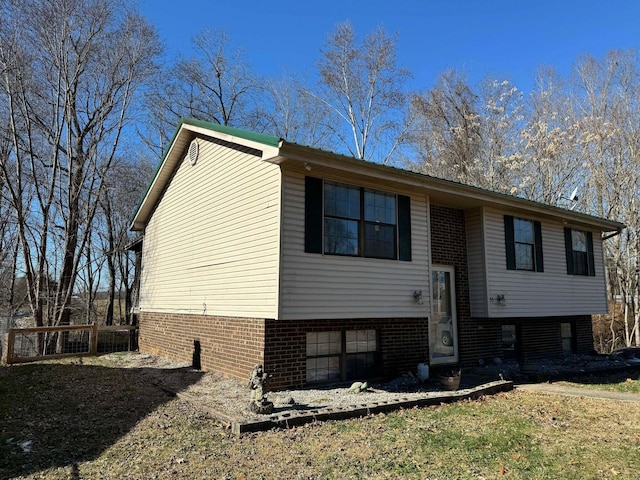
(476,263)
(536,294)
(211,246)
(327,286)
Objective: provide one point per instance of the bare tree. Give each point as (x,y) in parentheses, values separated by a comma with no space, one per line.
(124,189)
(290,112)
(468,135)
(362,84)
(10,300)
(70,69)
(216,84)
(446,129)
(501,112)
(610,145)
(551,169)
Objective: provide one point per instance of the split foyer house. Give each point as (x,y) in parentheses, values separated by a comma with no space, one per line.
(324,268)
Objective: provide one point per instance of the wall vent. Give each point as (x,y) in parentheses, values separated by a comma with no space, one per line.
(194,150)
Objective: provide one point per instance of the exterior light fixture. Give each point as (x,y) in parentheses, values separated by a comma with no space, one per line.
(417,296)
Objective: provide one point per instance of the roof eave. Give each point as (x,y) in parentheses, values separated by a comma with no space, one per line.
(311,156)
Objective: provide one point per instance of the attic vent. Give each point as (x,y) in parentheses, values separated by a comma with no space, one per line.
(194,149)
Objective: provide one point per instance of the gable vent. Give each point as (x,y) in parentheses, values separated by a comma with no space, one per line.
(194,150)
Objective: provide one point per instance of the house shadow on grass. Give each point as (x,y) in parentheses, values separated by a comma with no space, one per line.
(58,415)
(606,378)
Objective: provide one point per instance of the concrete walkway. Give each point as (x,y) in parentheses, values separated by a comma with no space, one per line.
(556,389)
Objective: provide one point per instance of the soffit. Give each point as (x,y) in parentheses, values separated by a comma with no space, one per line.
(323,164)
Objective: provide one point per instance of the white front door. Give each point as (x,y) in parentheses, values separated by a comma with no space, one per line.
(443,324)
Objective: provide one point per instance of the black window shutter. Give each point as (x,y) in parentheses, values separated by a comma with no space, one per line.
(537,228)
(509,242)
(312,215)
(592,266)
(568,247)
(404,228)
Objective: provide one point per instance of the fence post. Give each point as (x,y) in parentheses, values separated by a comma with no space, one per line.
(130,346)
(7,352)
(93,342)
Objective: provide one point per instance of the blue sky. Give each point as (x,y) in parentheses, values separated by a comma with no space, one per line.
(504,39)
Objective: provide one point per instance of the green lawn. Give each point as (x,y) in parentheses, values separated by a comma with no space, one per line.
(96,420)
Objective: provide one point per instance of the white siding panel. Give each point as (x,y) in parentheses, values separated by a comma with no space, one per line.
(548,293)
(329,286)
(476,263)
(212,244)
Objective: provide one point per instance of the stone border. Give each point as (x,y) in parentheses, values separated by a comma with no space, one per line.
(285,420)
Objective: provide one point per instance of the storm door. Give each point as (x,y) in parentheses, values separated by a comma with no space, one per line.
(443,324)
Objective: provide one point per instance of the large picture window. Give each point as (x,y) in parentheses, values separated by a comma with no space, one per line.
(348,220)
(523,242)
(579,250)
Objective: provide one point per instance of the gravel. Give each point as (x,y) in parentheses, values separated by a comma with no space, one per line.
(229,398)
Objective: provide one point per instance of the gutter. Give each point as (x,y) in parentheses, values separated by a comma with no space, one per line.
(307,155)
(612,234)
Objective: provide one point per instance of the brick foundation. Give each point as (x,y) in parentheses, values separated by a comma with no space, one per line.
(233,346)
(227,345)
(541,338)
(402,344)
(584,333)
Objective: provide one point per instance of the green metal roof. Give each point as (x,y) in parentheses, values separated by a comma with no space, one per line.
(236,132)
(287,148)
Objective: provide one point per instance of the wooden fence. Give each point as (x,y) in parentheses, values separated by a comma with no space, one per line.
(39,343)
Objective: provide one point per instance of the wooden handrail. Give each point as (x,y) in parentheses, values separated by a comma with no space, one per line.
(60,328)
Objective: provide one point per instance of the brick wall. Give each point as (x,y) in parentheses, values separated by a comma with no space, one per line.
(233,346)
(402,344)
(229,346)
(541,338)
(449,247)
(584,333)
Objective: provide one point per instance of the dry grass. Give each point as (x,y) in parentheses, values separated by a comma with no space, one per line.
(96,420)
(624,382)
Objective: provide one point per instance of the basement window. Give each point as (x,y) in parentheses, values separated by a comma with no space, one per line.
(324,350)
(568,338)
(361,347)
(509,341)
(341,355)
